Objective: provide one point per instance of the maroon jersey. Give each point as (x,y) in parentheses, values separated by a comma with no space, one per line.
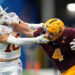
(59,50)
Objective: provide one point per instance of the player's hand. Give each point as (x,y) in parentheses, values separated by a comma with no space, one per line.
(41,39)
(72,44)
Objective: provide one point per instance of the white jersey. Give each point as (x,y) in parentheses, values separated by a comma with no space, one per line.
(9,51)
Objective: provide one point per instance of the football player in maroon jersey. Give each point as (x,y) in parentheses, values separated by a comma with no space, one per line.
(59,49)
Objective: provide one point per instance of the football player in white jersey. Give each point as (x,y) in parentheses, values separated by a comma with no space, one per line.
(10,63)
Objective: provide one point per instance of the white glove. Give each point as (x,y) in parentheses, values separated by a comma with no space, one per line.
(72,44)
(26,41)
(41,39)
(35,26)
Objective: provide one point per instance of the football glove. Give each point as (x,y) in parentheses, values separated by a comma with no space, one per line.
(42,39)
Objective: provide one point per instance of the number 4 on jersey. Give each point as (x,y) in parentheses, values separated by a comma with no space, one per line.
(57,55)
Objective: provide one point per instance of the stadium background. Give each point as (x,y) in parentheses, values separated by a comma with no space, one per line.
(34,59)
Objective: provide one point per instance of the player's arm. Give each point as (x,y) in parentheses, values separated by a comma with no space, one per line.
(22,41)
(24,28)
(31,25)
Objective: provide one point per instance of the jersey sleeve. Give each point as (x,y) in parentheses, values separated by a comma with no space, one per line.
(35,26)
(5,29)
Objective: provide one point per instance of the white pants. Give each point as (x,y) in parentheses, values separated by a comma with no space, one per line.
(11,68)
